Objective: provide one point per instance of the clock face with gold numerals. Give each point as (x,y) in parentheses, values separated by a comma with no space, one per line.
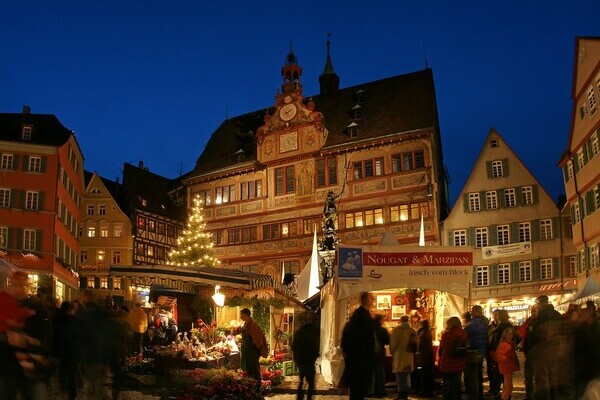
(288,142)
(287,112)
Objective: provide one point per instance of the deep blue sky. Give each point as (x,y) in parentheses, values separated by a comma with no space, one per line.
(151,80)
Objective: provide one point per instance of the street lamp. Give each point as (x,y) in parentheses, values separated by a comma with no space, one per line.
(219,299)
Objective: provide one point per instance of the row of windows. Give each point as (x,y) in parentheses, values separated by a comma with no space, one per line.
(22,239)
(518,271)
(101,257)
(326,174)
(73,159)
(352,219)
(29,164)
(585,206)
(101,282)
(103,231)
(67,255)
(503,234)
(494,199)
(69,186)
(588,258)
(146,250)
(25,199)
(91,209)
(67,219)
(151,225)
(583,156)
(589,104)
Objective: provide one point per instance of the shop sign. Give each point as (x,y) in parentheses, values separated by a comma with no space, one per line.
(507,250)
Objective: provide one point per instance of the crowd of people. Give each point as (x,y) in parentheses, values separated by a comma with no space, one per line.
(81,343)
(561,353)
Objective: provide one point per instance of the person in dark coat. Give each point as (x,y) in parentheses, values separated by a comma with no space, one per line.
(383,338)
(476,330)
(425,359)
(65,348)
(358,344)
(306,350)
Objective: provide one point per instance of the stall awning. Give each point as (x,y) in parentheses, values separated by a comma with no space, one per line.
(200,275)
(590,288)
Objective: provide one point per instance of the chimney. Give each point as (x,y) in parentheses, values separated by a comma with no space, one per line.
(26,109)
(141,165)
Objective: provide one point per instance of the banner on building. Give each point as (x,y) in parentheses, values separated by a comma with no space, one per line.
(507,250)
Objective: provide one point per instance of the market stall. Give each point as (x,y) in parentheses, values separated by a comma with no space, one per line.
(447,270)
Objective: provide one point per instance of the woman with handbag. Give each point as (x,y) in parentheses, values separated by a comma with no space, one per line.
(403,345)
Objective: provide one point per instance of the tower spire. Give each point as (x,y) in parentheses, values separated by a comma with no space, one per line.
(329,82)
(291,73)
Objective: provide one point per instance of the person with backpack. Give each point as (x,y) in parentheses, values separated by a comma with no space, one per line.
(452,358)
(253,346)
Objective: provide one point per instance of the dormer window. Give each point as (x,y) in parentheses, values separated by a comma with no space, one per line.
(494,142)
(240,155)
(26,133)
(352,130)
(357,111)
(359,96)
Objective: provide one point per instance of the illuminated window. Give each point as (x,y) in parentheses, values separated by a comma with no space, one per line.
(204,197)
(250,189)
(104,232)
(118,230)
(141,223)
(116,283)
(412,211)
(101,256)
(91,232)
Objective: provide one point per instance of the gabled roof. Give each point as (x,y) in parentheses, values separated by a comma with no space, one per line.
(114,188)
(140,184)
(46,128)
(402,103)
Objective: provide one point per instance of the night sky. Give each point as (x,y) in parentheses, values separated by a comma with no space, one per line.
(151,80)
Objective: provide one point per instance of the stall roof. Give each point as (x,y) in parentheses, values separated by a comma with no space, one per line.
(200,275)
(590,288)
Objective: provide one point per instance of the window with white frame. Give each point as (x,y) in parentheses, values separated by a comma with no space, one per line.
(7,161)
(3,237)
(524,231)
(503,232)
(31,200)
(581,266)
(118,230)
(503,274)
(91,231)
(5,198)
(570,169)
(26,133)
(91,282)
(594,256)
(481,237)
(368,168)
(460,237)
(116,283)
(35,164)
(576,212)
(102,209)
(497,170)
(510,198)
(527,195)
(29,239)
(546,268)
(491,200)
(597,197)
(103,283)
(573,266)
(250,189)
(545,229)
(525,274)
(474,202)
(104,231)
(482,274)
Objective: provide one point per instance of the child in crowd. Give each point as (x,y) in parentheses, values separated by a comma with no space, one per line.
(506,356)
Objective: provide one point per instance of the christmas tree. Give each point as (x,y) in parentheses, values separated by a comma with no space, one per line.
(195,245)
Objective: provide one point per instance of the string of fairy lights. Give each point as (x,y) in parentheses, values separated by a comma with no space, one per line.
(195,245)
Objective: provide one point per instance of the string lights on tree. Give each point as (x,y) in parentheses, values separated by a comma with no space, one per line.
(195,245)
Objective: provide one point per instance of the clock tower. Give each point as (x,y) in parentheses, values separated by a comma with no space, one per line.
(294,128)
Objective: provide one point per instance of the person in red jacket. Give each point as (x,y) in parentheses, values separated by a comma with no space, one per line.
(506,356)
(453,357)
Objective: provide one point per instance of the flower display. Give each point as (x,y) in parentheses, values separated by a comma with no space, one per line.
(214,384)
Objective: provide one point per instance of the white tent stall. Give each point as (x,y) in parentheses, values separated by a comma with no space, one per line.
(371,268)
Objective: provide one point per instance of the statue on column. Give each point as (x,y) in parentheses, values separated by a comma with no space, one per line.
(329,212)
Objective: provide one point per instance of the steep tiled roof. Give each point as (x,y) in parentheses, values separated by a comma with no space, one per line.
(139,183)
(115,189)
(46,128)
(393,105)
